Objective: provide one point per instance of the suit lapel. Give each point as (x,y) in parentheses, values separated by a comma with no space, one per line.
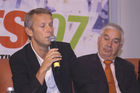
(97,73)
(33,62)
(96,66)
(102,75)
(118,71)
(119,74)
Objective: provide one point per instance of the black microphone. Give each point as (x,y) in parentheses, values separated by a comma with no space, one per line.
(54,45)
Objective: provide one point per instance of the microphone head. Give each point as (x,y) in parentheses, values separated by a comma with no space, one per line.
(52,38)
(53,42)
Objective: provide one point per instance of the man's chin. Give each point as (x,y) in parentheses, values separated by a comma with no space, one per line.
(107,55)
(47,44)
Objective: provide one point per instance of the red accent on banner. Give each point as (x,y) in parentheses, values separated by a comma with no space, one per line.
(14,28)
(1,13)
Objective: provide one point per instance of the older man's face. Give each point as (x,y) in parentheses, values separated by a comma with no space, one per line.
(109,44)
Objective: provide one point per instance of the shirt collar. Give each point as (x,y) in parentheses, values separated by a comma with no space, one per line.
(38,57)
(101,59)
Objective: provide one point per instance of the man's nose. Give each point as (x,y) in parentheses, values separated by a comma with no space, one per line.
(48,28)
(110,43)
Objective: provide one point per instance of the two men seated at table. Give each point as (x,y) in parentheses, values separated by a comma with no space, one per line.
(104,72)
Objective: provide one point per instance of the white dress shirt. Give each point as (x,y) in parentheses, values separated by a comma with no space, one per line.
(112,66)
(49,78)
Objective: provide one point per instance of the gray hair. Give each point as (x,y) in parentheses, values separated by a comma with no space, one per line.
(28,17)
(116,27)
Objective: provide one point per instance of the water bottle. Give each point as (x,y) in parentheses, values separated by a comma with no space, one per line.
(10,90)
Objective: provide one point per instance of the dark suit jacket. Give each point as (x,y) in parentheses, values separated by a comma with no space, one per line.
(90,76)
(24,66)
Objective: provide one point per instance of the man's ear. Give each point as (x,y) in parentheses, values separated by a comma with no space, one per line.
(29,32)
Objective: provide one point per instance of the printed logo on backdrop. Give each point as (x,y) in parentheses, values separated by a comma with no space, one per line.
(75,21)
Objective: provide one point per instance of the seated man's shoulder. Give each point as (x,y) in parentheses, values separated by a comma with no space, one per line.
(124,62)
(84,57)
(20,52)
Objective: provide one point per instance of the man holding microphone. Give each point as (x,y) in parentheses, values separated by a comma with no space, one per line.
(32,66)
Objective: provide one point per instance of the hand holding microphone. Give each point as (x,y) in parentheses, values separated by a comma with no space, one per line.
(56,64)
(52,57)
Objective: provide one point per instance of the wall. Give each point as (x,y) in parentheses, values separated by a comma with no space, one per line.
(126,13)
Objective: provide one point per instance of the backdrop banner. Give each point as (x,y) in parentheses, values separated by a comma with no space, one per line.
(75,21)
